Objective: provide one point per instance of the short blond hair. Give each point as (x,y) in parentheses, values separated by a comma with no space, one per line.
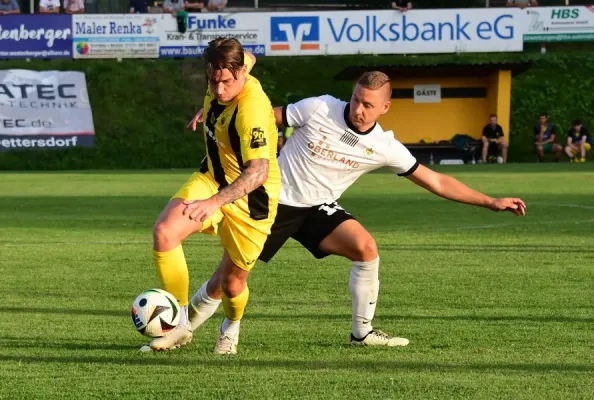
(375,80)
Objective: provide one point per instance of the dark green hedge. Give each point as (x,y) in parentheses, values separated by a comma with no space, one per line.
(141,108)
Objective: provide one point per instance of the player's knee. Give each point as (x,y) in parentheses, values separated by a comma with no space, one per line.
(365,249)
(233,285)
(164,237)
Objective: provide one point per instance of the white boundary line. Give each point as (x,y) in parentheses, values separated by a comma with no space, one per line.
(460,228)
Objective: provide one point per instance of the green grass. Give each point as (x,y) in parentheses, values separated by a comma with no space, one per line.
(495,306)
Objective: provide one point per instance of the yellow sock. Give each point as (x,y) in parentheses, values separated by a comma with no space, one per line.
(173,273)
(235,307)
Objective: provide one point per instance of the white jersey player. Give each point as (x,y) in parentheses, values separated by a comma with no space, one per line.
(333,144)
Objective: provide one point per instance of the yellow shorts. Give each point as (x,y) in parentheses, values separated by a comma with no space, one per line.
(587,146)
(242,236)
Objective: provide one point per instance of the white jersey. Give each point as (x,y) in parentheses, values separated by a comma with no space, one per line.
(326,154)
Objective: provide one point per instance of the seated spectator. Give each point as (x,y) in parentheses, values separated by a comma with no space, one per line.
(194,5)
(401,5)
(493,138)
(8,7)
(578,141)
(522,3)
(217,5)
(546,139)
(74,6)
(139,7)
(49,6)
(173,6)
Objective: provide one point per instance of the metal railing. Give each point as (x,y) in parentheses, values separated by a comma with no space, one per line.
(122,6)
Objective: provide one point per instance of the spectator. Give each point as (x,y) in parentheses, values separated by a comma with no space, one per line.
(49,6)
(74,6)
(522,3)
(217,5)
(139,7)
(9,7)
(194,5)
(401,5)
(283,136)
(173,6)
(578,141)
(493,137)
(546,139)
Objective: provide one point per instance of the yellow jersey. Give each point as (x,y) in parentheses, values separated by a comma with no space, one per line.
(236,132)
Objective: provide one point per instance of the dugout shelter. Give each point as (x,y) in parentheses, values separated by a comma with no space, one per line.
(433,103)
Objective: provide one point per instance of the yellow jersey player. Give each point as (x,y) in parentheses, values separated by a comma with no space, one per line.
(234,195)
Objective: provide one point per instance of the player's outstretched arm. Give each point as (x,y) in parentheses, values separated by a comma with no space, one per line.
(253,176)
(452,189)
(251,65)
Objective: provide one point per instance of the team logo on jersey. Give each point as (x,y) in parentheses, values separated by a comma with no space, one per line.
(369,152)
(258,138)
(349,139)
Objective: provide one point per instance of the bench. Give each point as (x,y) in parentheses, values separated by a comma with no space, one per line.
(435,153)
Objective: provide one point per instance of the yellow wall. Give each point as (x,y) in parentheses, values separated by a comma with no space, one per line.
(499,94)
(440,121)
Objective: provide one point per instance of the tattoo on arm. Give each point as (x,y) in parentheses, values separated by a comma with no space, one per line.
(252,177)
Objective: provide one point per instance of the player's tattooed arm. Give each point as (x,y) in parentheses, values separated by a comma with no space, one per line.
(253,176)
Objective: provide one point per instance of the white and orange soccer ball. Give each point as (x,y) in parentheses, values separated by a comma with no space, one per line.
(155,313)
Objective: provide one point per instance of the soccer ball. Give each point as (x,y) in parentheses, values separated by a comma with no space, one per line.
(155,313)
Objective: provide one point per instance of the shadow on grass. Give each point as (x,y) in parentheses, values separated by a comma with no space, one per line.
(316,316)
(20,343)
(302,366)
(69,311)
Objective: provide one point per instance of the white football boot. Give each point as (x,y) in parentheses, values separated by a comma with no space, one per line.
(226,344)
(378,338)
(179,336)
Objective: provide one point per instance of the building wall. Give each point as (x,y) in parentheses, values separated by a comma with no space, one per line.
(412,122)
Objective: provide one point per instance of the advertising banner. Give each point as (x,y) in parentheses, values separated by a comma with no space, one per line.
(44,110)
(36,36)
(115,36)
(560,24)
(251,29)
(392,32)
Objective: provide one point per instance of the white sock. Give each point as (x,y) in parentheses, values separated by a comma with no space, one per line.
(230,328)
(183,315)
(205,306)
(364,287)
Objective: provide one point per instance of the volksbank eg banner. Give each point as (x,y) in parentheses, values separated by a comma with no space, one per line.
(249,28)
(44,110)
(115,36)
(376,32)
(36,36)
(559,24)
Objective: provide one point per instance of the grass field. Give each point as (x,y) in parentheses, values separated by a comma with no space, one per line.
(494,306)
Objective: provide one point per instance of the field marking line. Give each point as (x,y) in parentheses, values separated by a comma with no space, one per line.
(147,242)
(564,205)
(465,227)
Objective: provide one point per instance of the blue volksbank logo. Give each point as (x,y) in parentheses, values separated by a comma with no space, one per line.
(373,30)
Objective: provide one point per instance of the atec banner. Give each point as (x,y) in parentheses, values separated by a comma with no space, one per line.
(44,110)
